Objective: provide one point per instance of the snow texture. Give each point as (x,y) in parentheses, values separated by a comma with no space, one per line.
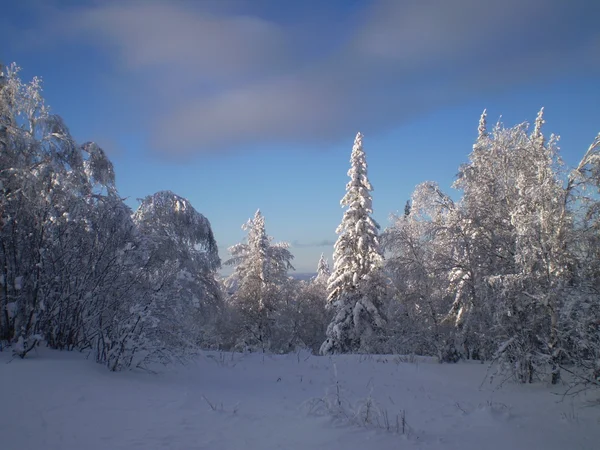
(255,401)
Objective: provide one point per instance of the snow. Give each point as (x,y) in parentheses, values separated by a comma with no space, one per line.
(59,400)
(11,309)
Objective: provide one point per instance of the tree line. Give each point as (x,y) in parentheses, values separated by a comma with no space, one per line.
(509,273)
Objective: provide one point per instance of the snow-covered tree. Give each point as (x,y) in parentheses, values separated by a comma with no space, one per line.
(46,202)
(419,253)
(306,307)
(323,271)
(64,236)
(356,284)
(260,273)
(499,276)
(579,321)
(76,270)
(523,246)
(479,240)
(170,296)
(182,259)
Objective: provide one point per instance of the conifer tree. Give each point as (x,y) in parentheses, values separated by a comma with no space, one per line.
(356,284)
(260,274)
(323,271)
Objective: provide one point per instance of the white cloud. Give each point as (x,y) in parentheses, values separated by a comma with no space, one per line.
(220,79)
(152,35)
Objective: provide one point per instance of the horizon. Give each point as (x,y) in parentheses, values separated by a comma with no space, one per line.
(240,107)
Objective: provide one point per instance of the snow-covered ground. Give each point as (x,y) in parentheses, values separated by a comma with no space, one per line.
(55,400)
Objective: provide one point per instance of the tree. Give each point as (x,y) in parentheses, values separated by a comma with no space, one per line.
(420,252)
(65,235)
(579,321)
(260,275)
(480,239)
(182,259)
(77,271)
(47,201)
(513,262)
(323,271)
(530,279)
(501,274)
(356,284)
(307,308)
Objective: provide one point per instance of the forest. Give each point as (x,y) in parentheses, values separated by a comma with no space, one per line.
(508,274)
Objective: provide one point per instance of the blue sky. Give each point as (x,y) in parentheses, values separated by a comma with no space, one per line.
(238,105)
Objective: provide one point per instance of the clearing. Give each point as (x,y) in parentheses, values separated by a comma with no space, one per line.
(63,401)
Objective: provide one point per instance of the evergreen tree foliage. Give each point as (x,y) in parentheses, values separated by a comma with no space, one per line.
(260,274)
(323,271)
(356,284)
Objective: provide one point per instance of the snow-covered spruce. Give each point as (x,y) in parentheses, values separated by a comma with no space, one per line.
(257,285)
(323,271)
(357,283)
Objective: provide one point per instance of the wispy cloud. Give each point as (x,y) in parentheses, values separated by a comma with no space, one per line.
(154,35)
(427,33)
(215,78)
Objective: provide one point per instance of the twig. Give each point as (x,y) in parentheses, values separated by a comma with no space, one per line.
(213,407)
